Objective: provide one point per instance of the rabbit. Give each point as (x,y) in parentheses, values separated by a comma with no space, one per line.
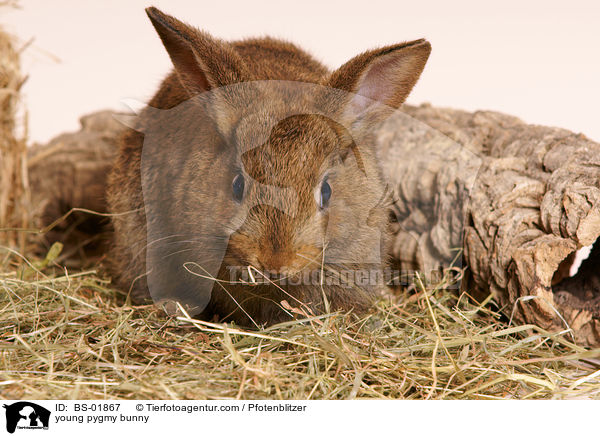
(248,190)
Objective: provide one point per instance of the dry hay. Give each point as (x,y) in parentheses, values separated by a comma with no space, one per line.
(69,335)
(14,204)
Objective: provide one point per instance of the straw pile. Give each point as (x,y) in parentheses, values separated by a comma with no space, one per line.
(13,150)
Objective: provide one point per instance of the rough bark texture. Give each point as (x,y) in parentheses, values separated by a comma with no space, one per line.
(519,199)
(70,172)
(510,201)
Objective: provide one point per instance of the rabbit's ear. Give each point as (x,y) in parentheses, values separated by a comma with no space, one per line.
(201,61)
(382,77)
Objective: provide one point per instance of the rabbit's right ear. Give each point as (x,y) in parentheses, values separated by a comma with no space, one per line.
(380,79)
(201,61)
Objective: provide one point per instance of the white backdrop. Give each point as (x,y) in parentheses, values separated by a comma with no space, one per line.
(539,60)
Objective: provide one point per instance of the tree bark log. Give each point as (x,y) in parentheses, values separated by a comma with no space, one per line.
(70,172)
(519,199)
(512,202)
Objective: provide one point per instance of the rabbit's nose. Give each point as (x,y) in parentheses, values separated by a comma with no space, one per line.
(275,260)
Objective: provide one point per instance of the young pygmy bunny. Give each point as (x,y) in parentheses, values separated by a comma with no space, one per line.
(249,184)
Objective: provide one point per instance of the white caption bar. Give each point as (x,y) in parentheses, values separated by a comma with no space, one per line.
(166,418)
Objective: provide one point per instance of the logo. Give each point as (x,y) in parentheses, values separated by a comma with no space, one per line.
(26,415)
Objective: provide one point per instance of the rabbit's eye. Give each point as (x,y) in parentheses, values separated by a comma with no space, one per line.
(238,188)
(325,194)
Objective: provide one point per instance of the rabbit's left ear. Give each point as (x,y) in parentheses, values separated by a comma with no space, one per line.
(379,77)
(202,62)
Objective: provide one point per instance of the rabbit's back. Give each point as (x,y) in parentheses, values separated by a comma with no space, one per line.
(266,59)
(273,59)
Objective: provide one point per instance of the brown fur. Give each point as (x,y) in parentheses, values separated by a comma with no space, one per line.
(301,149)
